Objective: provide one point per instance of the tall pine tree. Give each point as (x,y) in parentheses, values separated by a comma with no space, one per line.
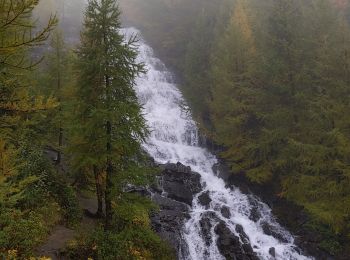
(109,124)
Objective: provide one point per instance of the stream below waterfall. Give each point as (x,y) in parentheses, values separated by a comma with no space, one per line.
(174,138)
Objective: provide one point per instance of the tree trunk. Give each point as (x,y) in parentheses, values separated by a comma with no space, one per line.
(99,193)
(60,133)
(60,143)
(109,182)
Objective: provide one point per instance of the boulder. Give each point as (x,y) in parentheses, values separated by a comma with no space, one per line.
(169,204)
(206,225)
(143,191)
(222,171)
(245,239)
(272,252)
(178,167)
(176,187)
(169,220)
(180,183)
(225,212)
(271,231)
(255,214)
(229,244)
(204,199)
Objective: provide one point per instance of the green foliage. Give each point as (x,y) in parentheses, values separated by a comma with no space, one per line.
(24,230)
(131,237)
(46,185)
(330,241)
(67,200)
(17,106)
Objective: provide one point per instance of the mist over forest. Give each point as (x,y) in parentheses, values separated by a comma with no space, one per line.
(175,129)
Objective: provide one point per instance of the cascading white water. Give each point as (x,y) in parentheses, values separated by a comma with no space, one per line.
(174,139)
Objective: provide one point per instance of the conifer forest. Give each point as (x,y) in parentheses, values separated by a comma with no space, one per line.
(175,129)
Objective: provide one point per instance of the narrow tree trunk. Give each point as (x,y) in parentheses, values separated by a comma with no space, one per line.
(99,193)
(109,168)
(60,143)
(109,182)
(60,133)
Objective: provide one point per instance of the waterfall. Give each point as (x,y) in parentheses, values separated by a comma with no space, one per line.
(174,139)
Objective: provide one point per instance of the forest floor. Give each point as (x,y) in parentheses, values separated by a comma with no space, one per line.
(60,235)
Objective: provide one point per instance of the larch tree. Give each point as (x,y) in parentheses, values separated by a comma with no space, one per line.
(233,90)
(56,79)
(109,124)
(18,35)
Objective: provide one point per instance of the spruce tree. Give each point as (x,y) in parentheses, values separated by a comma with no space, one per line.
(109,124)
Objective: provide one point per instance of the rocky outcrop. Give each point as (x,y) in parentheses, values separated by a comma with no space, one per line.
(177,187)
(206,224)
(169,220)
(204,199)
(271,231)
(180,183)
(230,246)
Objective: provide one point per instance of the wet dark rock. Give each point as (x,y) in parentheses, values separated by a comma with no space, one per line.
(169,204)
(227,242)
(157,185)
(270,231)
(204,199)
(168,223)
(230,246)
(245,239)
(206,225)
(143,191)
(255,214)
(169,220)
(178,167)
(206,228)
(222,171)
(225,212)
(180,183)
(272,252)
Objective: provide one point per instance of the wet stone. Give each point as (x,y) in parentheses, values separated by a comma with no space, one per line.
(239,229)
(225,212)
(206,225)
(204,199)
(230,246)
(255,214)
(180,183)
(271,231)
